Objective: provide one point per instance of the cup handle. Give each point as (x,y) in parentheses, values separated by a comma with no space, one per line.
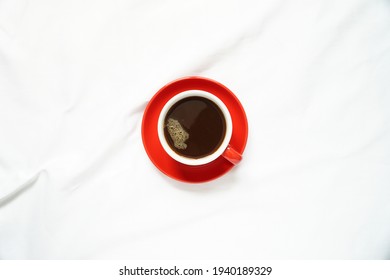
(232,155)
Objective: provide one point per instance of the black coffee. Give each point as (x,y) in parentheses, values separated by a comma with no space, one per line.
(194,127)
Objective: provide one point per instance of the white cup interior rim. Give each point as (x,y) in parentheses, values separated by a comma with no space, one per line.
(203,160)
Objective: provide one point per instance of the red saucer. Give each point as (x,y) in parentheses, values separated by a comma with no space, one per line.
(156,153)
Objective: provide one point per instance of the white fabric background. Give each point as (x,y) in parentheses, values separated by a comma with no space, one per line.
(313,76)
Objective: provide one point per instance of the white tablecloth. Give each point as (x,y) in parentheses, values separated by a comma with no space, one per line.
(313,77)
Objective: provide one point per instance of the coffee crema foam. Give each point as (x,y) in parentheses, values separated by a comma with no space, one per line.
(177,133)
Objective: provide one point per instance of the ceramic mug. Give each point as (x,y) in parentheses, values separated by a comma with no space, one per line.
(225,150)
